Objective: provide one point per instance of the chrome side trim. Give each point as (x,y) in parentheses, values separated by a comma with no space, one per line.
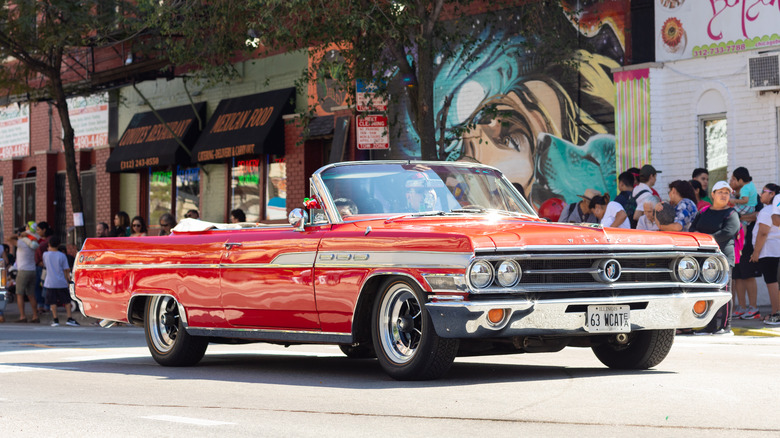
(381,259)
(643,250)
(308,337)
(138,266)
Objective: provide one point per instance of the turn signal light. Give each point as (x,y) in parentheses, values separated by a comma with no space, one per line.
(700,307)
(495,316)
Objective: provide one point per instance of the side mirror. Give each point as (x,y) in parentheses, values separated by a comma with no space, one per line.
(298,218)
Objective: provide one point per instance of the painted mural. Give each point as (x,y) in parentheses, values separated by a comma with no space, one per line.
(555,135)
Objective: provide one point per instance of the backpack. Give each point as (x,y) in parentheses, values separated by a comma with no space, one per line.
(630,206)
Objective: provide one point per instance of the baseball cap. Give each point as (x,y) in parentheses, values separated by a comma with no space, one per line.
(722,185)
(589,194)
(648,170)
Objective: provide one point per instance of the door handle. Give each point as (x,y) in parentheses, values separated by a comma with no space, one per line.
(231,245)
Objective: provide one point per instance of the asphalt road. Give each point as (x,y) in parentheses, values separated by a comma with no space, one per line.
(88,381)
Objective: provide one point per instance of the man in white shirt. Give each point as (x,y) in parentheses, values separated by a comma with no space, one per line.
(644,190)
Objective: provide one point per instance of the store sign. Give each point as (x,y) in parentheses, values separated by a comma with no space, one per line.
(247,172)
(692,29)
(367,99)
(89,118)
(14,131)
(372,132)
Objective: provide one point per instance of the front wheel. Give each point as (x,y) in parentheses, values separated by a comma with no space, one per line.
(405,341)
(644,349)
(168,341)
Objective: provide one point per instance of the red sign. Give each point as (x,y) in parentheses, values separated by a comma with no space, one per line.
(372,132)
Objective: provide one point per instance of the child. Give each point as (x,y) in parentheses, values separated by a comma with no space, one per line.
(56,283)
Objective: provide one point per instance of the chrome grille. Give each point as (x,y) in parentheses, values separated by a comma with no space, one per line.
(573,273)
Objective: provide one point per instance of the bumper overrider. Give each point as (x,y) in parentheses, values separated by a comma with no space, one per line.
(568,316)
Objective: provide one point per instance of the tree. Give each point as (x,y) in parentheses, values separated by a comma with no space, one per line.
(40,42)
(398,41)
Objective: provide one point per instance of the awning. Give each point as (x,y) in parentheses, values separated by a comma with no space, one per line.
(147,142)
(248,125)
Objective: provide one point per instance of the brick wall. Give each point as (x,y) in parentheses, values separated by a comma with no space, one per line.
(295,158)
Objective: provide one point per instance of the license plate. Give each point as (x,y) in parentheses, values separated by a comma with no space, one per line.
(610,319)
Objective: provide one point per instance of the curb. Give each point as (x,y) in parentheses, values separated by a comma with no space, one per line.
(739,331)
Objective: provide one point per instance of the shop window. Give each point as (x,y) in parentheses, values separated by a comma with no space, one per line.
(245,187)
(159,194)
(714,146)
(187,190)
(276,190)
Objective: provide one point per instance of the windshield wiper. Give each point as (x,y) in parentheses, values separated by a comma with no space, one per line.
(420,214)
(469,210)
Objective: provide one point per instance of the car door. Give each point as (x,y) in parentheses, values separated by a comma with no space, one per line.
(266,278)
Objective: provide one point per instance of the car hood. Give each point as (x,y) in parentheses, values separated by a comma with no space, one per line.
(487,232)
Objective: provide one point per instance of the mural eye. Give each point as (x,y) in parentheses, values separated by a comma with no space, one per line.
(515,143)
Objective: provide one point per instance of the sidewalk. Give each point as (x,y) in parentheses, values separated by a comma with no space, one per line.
(740,327)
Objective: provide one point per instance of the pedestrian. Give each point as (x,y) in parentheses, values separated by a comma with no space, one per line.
(664,215)
(237,216)
(25,275)
(609,213)
(745,289)
(644,190)
(579,212)
(722,222)
(192,214)
(683,199)
(766,251)
(139,227)
(8,261)
(121,225)
(56,282)
(102,230)
(626,182)
(647,221)
(44,232)
(167,222)
(699,191)
(702,175)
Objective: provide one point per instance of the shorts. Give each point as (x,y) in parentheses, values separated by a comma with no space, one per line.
(745,268)
(768,266)
(57,297)
(25,283)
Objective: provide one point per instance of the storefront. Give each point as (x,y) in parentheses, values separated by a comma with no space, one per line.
(157,146)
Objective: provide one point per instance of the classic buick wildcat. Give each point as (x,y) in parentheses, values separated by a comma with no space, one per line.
(414,263)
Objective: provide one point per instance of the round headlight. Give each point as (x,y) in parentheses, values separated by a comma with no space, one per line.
(508,273)
(481,274)
(711,270)
(687,269)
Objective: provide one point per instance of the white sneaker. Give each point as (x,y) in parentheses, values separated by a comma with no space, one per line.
(55,323)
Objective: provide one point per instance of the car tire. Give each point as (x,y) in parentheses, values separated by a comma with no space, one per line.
(644,349)
(405,341)
(359,351)
(168,341)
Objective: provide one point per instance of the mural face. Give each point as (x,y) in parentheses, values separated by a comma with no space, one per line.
(549,130)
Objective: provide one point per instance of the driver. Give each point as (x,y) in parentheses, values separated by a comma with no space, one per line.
(420,195)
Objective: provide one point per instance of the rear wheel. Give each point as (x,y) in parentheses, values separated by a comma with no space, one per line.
(405,341)
(168,341)
(644,349)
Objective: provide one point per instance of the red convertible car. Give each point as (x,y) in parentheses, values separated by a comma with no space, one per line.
(414,263)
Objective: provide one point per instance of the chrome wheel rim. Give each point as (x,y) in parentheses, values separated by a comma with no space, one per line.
(400,324)
(164,323)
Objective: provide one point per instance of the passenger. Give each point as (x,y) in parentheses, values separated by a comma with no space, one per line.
(346,207)
(167,222)
(419,195)
(192,214)
(139,227)
(102,230)
(237,216)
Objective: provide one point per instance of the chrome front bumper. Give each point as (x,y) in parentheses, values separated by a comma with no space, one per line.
(468,319)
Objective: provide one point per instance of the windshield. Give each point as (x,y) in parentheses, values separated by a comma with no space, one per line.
(420,188)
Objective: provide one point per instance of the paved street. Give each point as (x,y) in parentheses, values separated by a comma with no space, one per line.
(81,381)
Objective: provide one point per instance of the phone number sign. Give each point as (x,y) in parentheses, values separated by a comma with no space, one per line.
(372,132)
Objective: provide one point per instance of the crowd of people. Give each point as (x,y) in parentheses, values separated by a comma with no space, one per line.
(747,234)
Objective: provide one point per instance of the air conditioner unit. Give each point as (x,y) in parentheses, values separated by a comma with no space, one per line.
(764,72)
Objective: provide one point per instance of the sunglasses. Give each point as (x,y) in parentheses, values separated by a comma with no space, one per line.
(136,225)
(165,225)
